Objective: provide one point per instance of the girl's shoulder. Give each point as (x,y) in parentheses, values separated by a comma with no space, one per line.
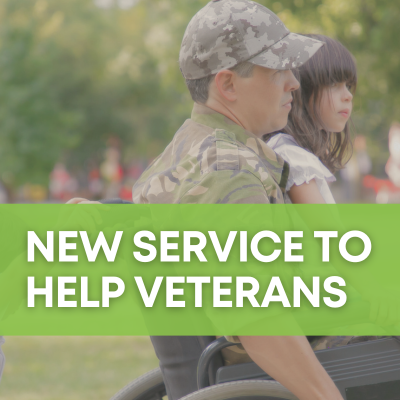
(285,142)
(304,165)
(281,139)
(287,147)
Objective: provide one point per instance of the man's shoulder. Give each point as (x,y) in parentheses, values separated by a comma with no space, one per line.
(198,153)
(186,159)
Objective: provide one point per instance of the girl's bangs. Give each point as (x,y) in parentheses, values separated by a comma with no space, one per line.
(338,63)
(333,63)
(343,67)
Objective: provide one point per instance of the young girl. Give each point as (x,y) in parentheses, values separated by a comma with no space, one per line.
(316,141)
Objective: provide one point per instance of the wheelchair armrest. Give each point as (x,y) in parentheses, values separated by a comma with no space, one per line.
(205,360)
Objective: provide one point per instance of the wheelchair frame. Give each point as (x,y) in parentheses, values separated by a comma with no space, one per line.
(361,371)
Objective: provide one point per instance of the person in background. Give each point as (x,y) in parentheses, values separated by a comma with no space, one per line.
(393,164)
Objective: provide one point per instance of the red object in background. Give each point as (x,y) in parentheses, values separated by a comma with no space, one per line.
(119,173)
(377,185)
(94,174)
(125,193)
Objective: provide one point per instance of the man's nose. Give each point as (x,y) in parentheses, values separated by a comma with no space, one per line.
(292,84)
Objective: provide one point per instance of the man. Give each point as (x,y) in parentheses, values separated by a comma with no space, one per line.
(236,57)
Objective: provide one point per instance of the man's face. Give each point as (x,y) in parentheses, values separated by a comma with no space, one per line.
(264,99)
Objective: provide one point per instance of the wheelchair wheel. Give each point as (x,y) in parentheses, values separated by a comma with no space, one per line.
(243,390)
(147,387)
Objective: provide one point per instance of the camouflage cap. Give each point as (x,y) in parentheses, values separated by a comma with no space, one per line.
(227,32)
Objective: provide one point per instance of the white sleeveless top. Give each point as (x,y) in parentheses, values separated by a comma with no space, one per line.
(304,166)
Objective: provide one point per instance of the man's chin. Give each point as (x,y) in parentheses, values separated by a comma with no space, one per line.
(279,126)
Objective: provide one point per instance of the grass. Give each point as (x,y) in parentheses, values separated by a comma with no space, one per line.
(72,368)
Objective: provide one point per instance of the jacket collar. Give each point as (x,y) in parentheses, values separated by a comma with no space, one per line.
(211,118)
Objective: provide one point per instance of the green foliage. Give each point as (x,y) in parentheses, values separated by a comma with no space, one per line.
(73,74)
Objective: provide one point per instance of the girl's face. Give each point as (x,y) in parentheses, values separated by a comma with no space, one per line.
(336,106)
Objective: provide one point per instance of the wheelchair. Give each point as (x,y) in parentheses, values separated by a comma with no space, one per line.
(361,371)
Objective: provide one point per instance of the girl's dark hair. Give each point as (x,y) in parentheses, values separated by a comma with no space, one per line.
(333,63)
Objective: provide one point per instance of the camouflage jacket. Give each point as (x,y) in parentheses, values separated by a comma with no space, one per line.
(213,160)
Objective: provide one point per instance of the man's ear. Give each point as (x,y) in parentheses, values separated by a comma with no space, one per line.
(225,83)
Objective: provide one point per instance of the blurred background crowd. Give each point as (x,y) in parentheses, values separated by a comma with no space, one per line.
(91,92)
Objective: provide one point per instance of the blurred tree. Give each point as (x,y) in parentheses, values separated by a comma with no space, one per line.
(72,74)
(60,97)
(39,78)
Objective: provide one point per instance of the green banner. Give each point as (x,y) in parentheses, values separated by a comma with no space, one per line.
(199,270)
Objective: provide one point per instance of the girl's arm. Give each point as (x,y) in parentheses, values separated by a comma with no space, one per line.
(306,193)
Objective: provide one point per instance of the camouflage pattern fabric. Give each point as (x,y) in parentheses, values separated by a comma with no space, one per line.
(330,342)
(227,32)
(234,354)
(213,160)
